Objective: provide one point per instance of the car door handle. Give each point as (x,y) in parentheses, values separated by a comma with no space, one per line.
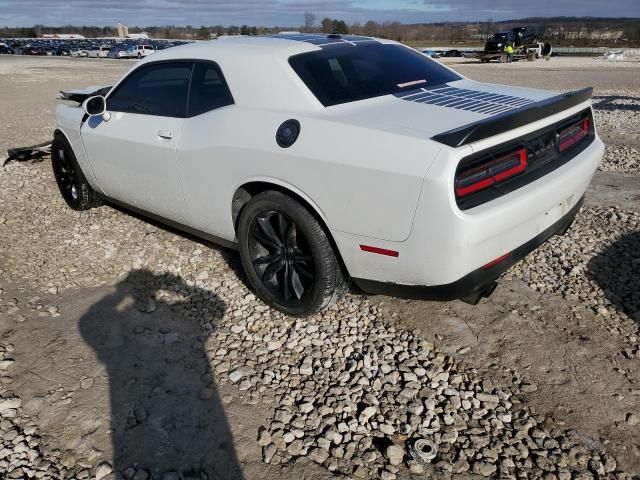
(166,134)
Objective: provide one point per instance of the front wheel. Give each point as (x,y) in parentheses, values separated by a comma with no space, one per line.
(287,255)
(72,183)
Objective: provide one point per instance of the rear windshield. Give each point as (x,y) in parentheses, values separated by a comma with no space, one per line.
(347,73)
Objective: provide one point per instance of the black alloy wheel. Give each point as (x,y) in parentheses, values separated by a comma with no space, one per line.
(72,183)
(281,257)
(287,255)
(65,175)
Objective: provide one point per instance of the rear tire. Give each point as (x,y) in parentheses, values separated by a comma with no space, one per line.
(287,256)
(72,183)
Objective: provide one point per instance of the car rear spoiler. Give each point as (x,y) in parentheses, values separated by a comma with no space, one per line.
(82,94)
(514,119)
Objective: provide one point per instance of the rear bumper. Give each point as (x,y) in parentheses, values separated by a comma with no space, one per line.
(473,285)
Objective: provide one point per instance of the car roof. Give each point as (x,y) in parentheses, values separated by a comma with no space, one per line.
(256,67)
(282,46)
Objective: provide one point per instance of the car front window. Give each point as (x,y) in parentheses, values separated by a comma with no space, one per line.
(157,89)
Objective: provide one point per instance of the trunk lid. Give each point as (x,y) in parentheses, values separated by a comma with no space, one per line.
(429,112)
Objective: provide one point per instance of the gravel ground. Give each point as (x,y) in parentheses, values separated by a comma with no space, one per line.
(20,454)
(621,158)
(111,325)
(617,112)
(597,264)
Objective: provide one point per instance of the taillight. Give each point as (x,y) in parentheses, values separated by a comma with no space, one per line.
(570,136)
(492,172)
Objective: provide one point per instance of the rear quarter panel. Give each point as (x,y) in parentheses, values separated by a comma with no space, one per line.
(359,180)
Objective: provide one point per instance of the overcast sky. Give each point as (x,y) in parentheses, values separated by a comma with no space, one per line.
(290,12)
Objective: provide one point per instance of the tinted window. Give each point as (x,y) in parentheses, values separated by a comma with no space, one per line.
(208,89)
(158,89)
(348,73)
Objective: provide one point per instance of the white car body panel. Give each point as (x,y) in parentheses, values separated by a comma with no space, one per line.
(123,153)
(446,243)
(369,169)
(213,168)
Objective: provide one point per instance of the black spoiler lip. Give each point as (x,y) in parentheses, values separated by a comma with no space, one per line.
(514,119)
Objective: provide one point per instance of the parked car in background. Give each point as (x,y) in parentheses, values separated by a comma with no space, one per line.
(430,53)
(5,49)
(99,52)
(81,47)
(33,50)
(140,51)
(61,51)
(351,159)
(451,53)
(77,52)
(118,52)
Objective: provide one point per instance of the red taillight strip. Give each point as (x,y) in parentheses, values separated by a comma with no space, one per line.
(498,177)
(576,137)
(495,262)
(379,251)
(521,167)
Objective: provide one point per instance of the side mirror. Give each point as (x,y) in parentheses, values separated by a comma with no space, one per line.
(94,106)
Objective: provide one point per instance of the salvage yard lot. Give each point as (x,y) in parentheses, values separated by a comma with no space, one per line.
(130,349)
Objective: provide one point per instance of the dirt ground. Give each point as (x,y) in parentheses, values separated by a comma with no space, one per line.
(573,365)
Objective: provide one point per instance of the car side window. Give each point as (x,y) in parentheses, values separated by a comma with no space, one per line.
(158,89)
(209,89)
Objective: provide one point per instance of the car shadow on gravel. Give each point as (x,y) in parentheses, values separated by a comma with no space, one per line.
(230,256)
(616,269)
(612,102)
(166,414)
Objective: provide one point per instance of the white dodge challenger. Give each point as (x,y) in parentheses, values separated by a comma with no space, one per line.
(328,159)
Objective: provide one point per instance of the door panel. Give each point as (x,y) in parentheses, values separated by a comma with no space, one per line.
(210,101)
(135,162)
(133,153)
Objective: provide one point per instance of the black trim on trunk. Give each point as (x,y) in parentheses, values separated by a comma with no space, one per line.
(476,283)
(511,120)
(543,157)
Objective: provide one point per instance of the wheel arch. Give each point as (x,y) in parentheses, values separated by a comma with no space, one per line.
(248,190)
(59,133)
(75,143)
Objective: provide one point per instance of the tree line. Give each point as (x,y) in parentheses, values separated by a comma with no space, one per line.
(560,30)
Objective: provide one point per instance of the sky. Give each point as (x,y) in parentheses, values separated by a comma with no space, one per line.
(291,12)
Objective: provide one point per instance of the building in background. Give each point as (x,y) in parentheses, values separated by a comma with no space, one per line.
(63,36)
(123,32)
(138,36)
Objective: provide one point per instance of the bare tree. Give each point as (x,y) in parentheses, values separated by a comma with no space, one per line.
(309,21)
